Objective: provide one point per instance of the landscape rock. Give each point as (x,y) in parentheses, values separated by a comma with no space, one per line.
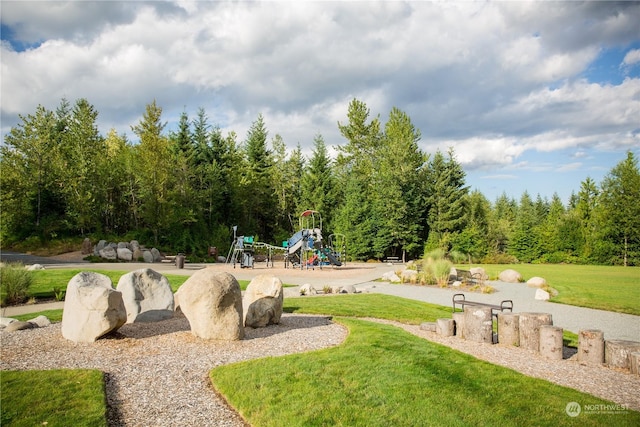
(536,282)
(19,326)
(212,303)
(86,247)
(391,276)
(124,254)
(221,259)
(92,308)
(35,267)
(147,296)
(157,257)
(123,245)
(409,275)
(479,273)
(428,326)
(99,246)
(456,284)
(108,253)
(349,289)
(307,289)
(510,276)
(542,295)
(5,321)
(133,245)
(137,254)
(40,321)
(262,302)
(147,256)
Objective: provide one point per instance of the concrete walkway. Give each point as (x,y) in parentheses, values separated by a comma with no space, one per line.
(572,318)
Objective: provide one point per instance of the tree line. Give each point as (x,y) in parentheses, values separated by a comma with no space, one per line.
(184,190)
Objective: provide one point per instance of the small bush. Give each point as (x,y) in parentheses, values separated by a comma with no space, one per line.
(327,289)
(15,282)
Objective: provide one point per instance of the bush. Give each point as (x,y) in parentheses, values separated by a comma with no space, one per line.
(15,282)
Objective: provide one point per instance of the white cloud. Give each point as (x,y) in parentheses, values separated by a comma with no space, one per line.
(632,57)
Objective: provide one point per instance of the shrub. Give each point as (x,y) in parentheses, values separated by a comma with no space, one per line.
(327,289)
(15,282)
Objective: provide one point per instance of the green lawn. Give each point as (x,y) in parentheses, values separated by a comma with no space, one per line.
(53,398)
(384,376)
(594,286)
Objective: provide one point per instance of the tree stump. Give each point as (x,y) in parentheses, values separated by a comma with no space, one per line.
(445,327)
(478,324)
(591,346)
(530,329)
(551,342)
(458,319)
(617,353)
(509,329)
(634,359)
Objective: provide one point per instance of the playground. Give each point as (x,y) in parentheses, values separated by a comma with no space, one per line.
(307,248)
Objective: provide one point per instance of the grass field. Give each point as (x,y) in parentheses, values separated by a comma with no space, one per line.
(594,286)
(57,398)
(384,376)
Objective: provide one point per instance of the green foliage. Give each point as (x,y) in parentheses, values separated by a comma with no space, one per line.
(53,398)
(15,284)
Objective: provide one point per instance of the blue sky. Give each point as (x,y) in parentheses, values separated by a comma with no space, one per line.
(532,96)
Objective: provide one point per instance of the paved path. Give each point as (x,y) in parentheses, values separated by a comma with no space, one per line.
(572,318)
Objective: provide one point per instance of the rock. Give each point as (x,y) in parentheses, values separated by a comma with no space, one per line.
(108,253)
(147,256)
(86,246)
(123,245)
(100,246)
(6,321)
(92,308)
(536,282)
(349,289)
(391,276)
(156,255)
(307,289)
(428,326)
(137,254)
(479,273)
(212,303)
(262,302)
(445,327)
(336,289)
(35,267)
(221,259)
(542,295)
(510,276)
(133,245)
(124,254)
(456,284)
(40,321)
(147,296)
(19,326)
(409,275)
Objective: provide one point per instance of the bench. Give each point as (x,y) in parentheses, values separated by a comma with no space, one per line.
(459,299)
(393,260)
(466,277)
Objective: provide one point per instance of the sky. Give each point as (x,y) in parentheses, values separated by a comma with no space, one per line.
(531,96)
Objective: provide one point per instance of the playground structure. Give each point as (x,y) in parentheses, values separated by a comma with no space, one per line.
(306,248)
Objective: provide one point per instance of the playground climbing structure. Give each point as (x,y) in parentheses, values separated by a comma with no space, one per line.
(306,247)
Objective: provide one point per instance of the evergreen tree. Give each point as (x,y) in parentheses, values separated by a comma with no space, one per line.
(318,185)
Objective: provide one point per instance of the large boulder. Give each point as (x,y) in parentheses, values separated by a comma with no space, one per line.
(99,246)
(262,302)
(108,253)
(536,282)
(147,296)
(212,303)
(391,276)
(92,308)
(510,276)
(147,256)
(157,257)
(86,246)
(479,273)
(542,295)
(124,254)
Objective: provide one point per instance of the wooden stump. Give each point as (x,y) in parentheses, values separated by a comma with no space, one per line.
(530,329)
(551,342)
(458,319)
(445,327)
(634,359)
(591,346)
(478,324)
(617,353)
(509,329)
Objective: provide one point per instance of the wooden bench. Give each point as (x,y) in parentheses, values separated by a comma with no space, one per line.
(393,260)
(459,299)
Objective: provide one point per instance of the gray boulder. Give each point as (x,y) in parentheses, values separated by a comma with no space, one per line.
(542,295)
(35,267)
(19,326)
(147,296)
(156,255)
(86,246)
(147,256)
(478,273)
(6,321)
(41,321)
(133,245)
(308,289)
(99,246)
(212,303)
(92,308)
(262,302)
(123,245)
(108,253)
(510,276)
(137,254)
(124,254)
